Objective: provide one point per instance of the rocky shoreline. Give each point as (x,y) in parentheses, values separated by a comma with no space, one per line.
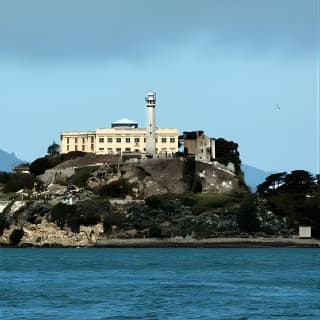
(187,242)
(210,243)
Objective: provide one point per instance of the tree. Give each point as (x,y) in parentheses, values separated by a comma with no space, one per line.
(227,151)
(247,216)
(272,183)
(53,149)
(299,182)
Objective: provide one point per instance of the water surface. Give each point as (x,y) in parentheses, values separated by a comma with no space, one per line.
(182,283)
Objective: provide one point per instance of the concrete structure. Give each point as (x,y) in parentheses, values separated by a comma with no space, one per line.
(22,168)
(196,143)
(151,124)
(125,136)
(304,232)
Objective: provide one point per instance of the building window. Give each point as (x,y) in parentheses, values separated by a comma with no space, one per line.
(92,147)
(136,150)
(144,149)
(92,139)
(156,140)
(76,148)
(144,140)
(110,150)
(83,140)
(127,140)
(136,140)
(75,140)
(109,140)
(118,150)
(164,140)
(172,140)
(101,140)
(118,140)
(128,149)
(83,147)
(101,149)
(68,140)
(67,147)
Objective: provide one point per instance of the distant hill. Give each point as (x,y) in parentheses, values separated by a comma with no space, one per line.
(254,176)
(7,160)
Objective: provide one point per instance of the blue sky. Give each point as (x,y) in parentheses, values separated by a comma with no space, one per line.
(220,66)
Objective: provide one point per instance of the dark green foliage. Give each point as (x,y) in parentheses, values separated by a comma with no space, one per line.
(13,182)
(81,176)
(169,201)
(199,202)
(116,189)
(227,151)
(112,219)
(62,213)
(86,213)
(3,223)
(208,201)
(294,195)
(155,231)
(271,183)
(71,155)
(40,165)
(247,216)
(15,237)
(299,182)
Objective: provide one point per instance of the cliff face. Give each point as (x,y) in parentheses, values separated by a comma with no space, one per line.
(49,234)
(154,176)
(36,221)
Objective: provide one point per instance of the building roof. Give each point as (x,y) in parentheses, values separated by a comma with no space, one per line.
(124,121)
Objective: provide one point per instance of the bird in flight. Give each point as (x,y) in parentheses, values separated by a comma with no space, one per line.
(278,107)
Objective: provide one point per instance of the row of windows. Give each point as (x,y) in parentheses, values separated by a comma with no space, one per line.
(136,140)
(83,148)
(79,139)
(118,150)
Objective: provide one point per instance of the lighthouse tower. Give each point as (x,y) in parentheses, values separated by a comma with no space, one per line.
(151,123)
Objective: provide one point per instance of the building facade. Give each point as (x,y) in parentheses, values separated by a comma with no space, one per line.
(125,136)
(199,145)
(119,140)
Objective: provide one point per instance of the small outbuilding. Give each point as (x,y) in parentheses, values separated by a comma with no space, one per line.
(304,232)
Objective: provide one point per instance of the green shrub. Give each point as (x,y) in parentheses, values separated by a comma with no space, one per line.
(155,231)
(247,216)
(116,189)
(208,201)
(81,176)
(71,155)
(40,165)
(15,237)
(199,202)
(227,151)
(112,219)
(13,182)
(169,201)
(62,213)
(86,213)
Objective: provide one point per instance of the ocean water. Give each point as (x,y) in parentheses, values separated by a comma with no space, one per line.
(171,283)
